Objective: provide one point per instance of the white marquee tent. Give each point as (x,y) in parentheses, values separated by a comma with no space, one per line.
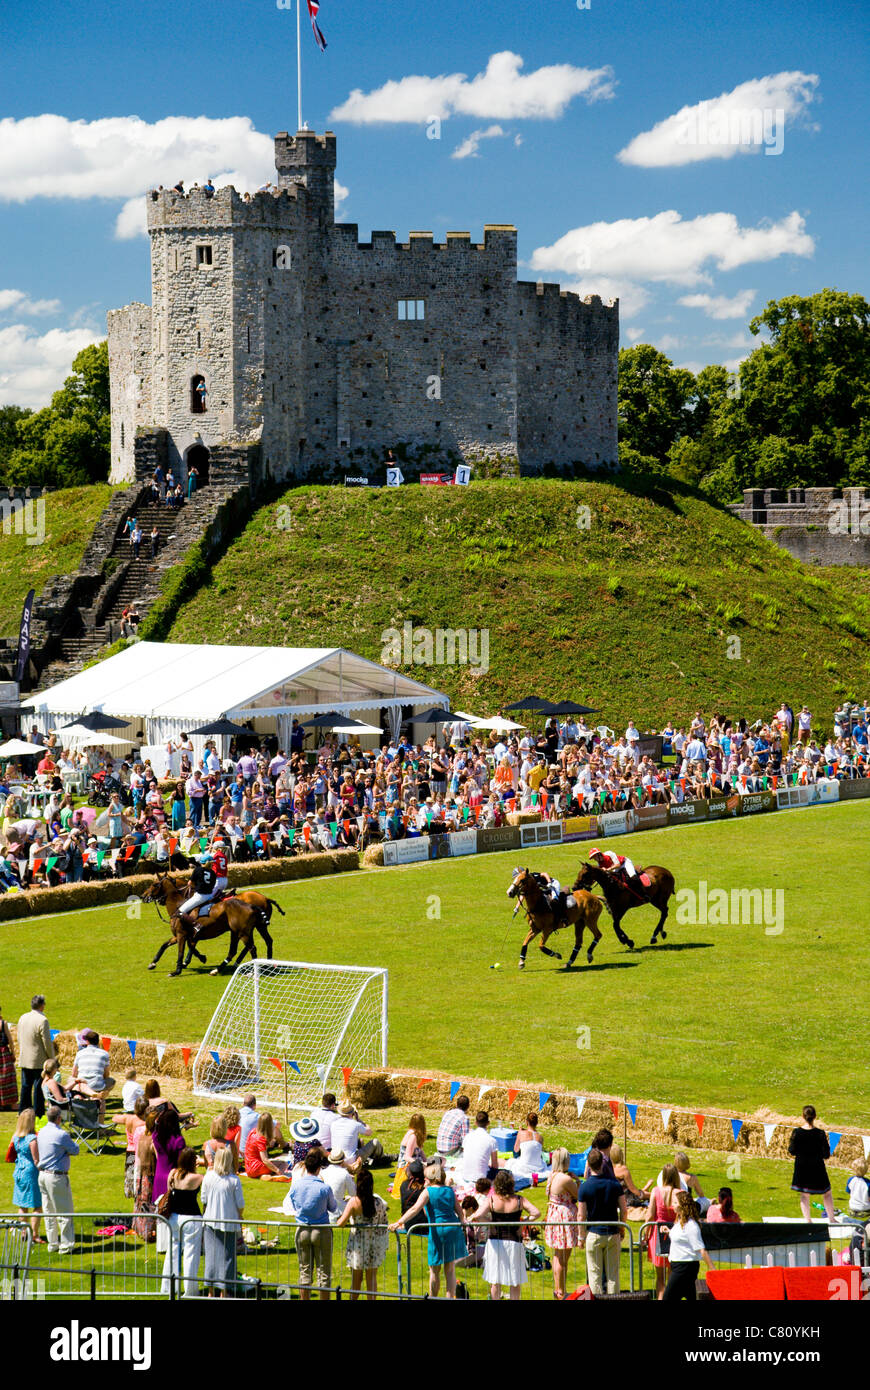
(164,689)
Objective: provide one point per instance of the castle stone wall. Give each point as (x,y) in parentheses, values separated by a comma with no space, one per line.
(818,525)
(129,339)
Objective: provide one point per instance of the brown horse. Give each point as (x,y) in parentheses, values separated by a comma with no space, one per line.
(240,919)
(262,907)
(542,919)
(620,898)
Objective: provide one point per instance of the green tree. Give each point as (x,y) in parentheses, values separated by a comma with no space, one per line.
(67,443)
(654,400)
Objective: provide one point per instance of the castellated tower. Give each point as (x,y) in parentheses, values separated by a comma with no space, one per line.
(278,344)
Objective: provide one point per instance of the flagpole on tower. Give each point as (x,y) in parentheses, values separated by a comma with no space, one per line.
(298,65)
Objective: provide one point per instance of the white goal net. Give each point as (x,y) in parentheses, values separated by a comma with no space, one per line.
(289,1030)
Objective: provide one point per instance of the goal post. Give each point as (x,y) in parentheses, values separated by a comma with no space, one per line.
(286,1029)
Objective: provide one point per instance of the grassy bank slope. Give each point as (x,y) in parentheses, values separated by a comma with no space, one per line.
(70,515)
(632,612)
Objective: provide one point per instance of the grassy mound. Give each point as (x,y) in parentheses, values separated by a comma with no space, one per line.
(643,605)
(70,516)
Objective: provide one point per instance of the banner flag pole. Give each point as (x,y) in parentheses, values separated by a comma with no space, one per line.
(298,65)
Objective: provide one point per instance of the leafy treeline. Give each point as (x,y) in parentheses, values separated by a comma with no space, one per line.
(67,443)
(795,414)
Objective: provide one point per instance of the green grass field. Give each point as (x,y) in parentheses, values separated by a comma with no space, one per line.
(723,1016)
(70,516)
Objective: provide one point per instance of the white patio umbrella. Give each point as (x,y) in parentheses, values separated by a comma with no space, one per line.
(503,725)
(17,748)
(465,716)
(356,726)
(101,740)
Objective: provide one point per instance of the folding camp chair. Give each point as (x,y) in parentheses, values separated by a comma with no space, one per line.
(15,1253)
(84,1125)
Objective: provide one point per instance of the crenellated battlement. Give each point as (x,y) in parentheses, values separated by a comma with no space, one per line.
(496,238)
(226,208)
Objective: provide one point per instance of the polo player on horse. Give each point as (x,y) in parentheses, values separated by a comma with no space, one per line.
(622,870)
(209,881)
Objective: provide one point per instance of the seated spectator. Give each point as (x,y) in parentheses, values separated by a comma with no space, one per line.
(723,1208)
(346,1131)
(858,1189)
(234,1127)
(219,1139)
(479,1153)
(634,1196)
(337,1177)
(91,1071)
(131,1091)
(258,1164)
(53,1091)
(453,1128)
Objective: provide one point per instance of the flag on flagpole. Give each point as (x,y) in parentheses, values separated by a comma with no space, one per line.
(631,1107)
(313,7)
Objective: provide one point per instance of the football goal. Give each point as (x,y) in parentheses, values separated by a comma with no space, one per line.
(289,1030)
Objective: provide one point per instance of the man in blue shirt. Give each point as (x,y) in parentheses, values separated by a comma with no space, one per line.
(311,1200)
(601,1200)
(55,1149)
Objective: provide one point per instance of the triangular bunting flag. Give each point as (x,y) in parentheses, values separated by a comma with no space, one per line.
(173,844)
(185,1056)
(424,1081)
(769,1131)
(699,1121)
(132,1044)
(159,1048)
(294,1066)
(513,1092)
(543,1097)
(736,1126)
(865,1140)
(106,1043)
(291,835)
(579,1101)
(306,832)
(320,1068)
(215,1057)
(482,1092)
(276,1062)
(833,1139)
(455,1088)
(666,1118)
(333,827)
(54,1032)
(632,1111)
(614,1107)
(50,863)
(346,1075)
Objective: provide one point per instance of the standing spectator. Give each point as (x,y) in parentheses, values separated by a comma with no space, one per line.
(453,1128)
(143,1181)
(601,1200)
(446,1241)
(35,1046)
(368,1241)
(809,1147)
(603,1142)
(223,1204)
(55,1149)
(134,1124)
(136,540)
(408,1194)
(563,1235)
(805,725)
(662,1211)
(26,1194)
(183,1189)
(504,1259)
(155,540)
(687,1252)
(168,1143)
(311,1201)
(192,479)
(8,1082)
(196,795)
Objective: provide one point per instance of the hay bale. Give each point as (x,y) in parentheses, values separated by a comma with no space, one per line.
(524,818)
(374,855)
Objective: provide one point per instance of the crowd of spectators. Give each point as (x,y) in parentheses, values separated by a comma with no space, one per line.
(261,801)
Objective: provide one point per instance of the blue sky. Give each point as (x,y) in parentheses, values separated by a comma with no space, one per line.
(609,161)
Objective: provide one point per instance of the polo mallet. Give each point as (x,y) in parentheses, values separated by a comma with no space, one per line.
(509,925)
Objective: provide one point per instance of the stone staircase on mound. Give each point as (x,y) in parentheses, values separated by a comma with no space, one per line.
(80,614)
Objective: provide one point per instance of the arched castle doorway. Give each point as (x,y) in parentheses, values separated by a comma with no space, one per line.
(197,457)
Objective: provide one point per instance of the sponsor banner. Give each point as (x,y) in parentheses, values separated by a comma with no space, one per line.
(853,787)
(750,802)
(821,793)
(505,837)
(618,822)
(688,812)
(463,842)
(721,807)
(579,827)
(406,851)
(545,833)
(652,746)
(24,637)
(649,817)
(437,479)
(439,846)
(358,481)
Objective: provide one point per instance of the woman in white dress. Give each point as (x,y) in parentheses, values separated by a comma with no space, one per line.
(504,1258)
(528,1150)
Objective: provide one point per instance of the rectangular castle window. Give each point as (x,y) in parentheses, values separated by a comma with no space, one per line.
(203,255)
(412,310)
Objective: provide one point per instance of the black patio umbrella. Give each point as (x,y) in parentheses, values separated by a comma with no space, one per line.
(531,702)
(568,707)
(432,716)
(326,721)
(97,721)
(223,726)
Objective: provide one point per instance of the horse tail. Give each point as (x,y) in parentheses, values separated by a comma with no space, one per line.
(272,903)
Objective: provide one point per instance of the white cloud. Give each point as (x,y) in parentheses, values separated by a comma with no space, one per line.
(23,304)
(469,146)
(632,297)
(34,365)
(720,306)
(667,343)
(750,117)
(502,92)
(666,249)
(634,334)
(340,193)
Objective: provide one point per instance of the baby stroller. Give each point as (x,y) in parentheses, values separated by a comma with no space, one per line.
(103,786)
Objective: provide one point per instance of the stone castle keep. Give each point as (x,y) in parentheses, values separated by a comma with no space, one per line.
(278,345)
